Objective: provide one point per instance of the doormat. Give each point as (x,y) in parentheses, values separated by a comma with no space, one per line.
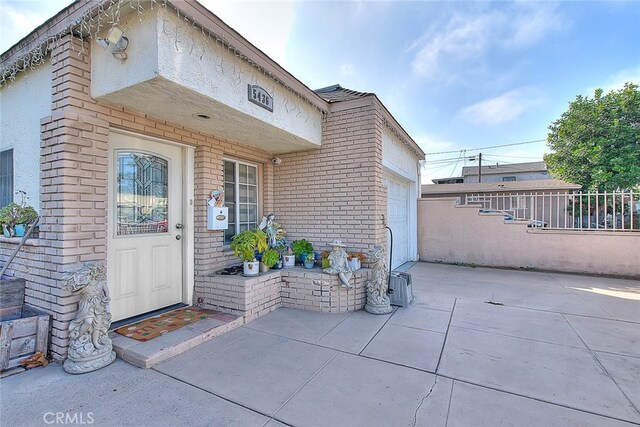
(156,326)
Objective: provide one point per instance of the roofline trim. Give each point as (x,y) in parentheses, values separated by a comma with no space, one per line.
(69,18)
(394,125)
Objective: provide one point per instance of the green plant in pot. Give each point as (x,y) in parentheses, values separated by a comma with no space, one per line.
(301,248)
(245,245)
(270,257)
(309,260)
(16,217)
(288,258)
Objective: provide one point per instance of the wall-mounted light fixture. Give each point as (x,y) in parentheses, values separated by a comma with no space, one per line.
(119,41)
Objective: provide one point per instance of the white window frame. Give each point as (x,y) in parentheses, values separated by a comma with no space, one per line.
(236,190)
(12,175)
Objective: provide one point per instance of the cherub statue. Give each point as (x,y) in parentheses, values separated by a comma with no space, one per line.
(90,347)
(338,264)
(378,301)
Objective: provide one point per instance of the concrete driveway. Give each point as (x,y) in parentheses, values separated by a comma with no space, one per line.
(479,347)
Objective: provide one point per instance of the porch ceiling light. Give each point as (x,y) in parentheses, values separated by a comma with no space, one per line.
(119,41)
(201,116)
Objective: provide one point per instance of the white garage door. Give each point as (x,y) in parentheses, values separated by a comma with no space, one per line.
(398,219)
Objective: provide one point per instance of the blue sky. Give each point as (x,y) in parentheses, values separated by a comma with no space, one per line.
(456,75)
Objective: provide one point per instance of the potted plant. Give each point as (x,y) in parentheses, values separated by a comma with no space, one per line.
(245,245)
(355,260)
(301,248)
(325,259)
(289,258)
(309,261)
(270,258)
(16,217)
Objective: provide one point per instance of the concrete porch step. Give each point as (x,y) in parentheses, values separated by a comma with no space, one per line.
(149,353)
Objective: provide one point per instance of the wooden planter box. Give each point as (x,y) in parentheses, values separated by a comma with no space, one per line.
(24,330)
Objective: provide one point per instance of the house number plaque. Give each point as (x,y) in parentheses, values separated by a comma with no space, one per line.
(260,97)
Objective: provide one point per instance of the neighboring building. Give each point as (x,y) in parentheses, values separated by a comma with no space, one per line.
(530,171)
(119,156)
(469,189)
(522,199)
(452,180)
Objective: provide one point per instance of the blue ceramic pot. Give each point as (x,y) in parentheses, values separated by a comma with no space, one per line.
(20,230)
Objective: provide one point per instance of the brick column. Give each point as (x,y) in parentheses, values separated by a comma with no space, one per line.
(73,175)
(208,177)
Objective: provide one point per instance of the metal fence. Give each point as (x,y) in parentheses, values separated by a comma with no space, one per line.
(611,211)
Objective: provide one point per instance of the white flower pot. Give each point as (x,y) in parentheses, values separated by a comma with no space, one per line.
(289,261)
(251,268)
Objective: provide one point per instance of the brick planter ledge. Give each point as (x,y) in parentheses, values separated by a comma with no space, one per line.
(252,297)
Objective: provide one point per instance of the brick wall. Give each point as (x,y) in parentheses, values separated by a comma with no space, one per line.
(316,291)
(248,297)
(74,169)
(336,191)
(294,288)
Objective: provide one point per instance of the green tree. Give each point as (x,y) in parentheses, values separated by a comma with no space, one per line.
(596,142)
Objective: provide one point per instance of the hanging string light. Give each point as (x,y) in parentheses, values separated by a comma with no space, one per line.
(107,14)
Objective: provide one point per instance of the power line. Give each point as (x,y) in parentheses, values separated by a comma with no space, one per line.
(440,161)
(456,165)
(487,148)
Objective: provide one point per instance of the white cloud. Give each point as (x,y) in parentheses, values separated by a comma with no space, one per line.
(501,109)
(532,23)
(617,80)
(266,24)
(464,39)
(453,50)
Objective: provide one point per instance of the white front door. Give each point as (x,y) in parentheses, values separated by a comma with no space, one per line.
(144,259)
(398,220)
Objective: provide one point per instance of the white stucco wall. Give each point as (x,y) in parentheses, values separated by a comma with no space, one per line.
(173,71)
(22,104)
(201,64)
(397,157)
(109,74)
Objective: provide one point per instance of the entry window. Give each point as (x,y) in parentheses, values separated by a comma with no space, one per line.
(6,177)
(142,198)
(508,178)
(241,197)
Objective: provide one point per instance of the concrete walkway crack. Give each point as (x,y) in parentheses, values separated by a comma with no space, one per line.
(415,414)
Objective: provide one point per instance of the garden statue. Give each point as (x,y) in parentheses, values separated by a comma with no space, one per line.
(378,301)
(338,264)
(90,347)
(274,231)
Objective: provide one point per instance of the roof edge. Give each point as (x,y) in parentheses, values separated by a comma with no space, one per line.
(392,121)
(69,16)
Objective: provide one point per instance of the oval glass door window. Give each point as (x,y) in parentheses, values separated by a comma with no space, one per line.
(142,198)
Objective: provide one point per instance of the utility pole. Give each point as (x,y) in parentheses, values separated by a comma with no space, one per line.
(480,167)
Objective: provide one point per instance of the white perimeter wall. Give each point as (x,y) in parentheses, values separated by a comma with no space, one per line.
(22,104)
(458,234)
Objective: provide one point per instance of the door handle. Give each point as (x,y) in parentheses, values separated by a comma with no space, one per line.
(179,226)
